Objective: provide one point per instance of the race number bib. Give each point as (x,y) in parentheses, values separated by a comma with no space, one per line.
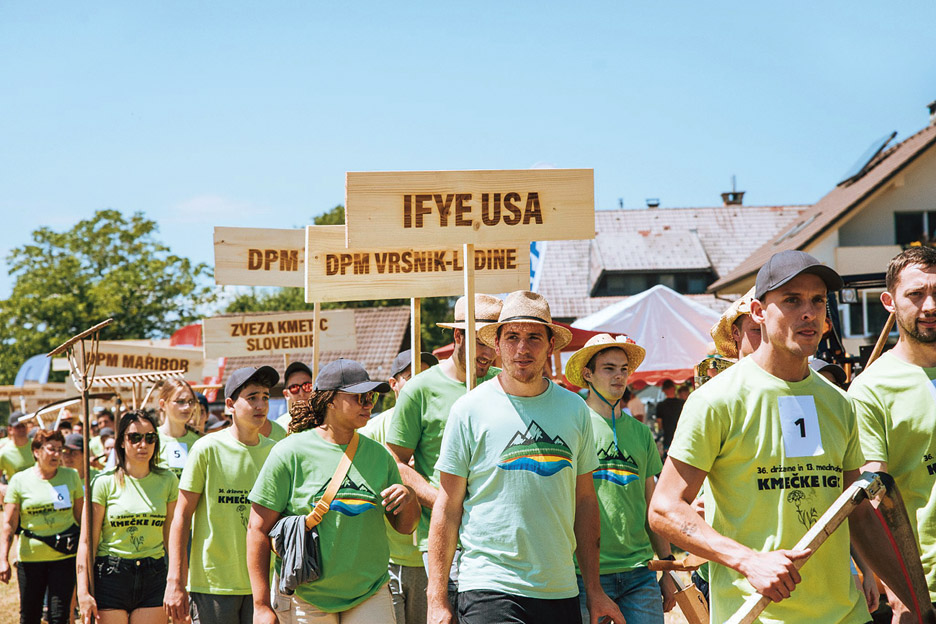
(799,422)
(176,454)
(61,497)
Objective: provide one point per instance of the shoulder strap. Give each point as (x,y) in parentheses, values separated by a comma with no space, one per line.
(325,502)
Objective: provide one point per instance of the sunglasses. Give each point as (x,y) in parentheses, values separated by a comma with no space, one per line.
(305,387)
(135,438)
(365,398)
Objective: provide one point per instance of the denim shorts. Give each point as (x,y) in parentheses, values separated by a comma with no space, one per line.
(635,592)
(129,584)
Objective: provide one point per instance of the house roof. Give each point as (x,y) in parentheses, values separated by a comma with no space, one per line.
(816,220)
(664,239)
(380,335)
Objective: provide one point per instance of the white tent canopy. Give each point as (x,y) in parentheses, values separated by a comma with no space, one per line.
(673,329)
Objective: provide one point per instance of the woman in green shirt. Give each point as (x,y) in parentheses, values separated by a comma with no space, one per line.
(178,408)
(128,530)
(44,500)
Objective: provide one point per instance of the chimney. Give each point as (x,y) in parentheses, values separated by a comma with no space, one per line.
(734,197)
(932,111)
(653,202)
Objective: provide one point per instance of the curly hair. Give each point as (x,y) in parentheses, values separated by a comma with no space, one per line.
(310,414)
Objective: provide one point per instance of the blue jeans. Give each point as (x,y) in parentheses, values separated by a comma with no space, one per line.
(635,592)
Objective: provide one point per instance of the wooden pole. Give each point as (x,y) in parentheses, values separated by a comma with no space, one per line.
(882,340)
(316,319)
(415,336)
(470,338)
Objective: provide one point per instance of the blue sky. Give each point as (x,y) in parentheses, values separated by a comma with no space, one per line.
(249,114)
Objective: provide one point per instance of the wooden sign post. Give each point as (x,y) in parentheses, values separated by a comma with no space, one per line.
(277,333)
(124,357)
(259,257)
(415,337)
(469,208)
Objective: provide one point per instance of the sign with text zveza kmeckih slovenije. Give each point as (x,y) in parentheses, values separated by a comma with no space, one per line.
(278,333)
(259,256)
(337,273)
(413,208)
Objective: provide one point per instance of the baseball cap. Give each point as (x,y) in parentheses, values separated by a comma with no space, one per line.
(74,441)
(16,417)
(821,366)
(403,361)
(784,266)
(348,376)
(105,431)
(214,423)
(265,376)
(295,367)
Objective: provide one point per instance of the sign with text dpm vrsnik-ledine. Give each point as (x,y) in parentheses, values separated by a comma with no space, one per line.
(337,273)
(278,333)
(413,208)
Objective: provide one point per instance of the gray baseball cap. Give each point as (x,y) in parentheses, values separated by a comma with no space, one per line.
(348,376)
(837,371)
(784,266)
(265,376)
(74,441)
(16,417)
(403,361)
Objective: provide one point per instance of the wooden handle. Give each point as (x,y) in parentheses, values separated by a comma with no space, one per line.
(882,340)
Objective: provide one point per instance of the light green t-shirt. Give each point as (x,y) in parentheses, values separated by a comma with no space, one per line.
(420,414)
(277,431)
(521,457)
(896,405)
(775,452)
(222,470)
(284,420)
(96,446)
(135,513)
(46,508)
(353,539)
(402,550)
(14,458)
(173,452)
(620,482)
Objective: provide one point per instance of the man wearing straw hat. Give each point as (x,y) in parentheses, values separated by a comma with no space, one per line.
(736,334)
(516,487)
(628,461)
(422,409)
(895,398)
(778,444)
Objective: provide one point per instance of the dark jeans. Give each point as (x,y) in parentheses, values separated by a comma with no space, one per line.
(128,584)
(489,607)
(35,577)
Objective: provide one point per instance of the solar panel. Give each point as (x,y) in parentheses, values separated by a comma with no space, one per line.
(861,165)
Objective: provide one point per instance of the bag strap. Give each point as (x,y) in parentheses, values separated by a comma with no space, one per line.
(321,507)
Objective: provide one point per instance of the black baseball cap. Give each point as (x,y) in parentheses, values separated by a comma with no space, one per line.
(16,417)
(295,367)
(74,441)
(403,361)
(784,266)
(265,376)
(348,376)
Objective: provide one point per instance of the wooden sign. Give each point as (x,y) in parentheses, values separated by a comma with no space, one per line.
(117,357)
(278,333)
(259,256)
(33,395)
(413,208)
(337,273)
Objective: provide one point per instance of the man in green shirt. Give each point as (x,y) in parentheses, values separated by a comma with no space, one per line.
(778,444)
(16,454)
(216,480)
(407,572)
(895,399)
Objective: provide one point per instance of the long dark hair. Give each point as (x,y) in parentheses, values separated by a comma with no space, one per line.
(310,414)
(120,454)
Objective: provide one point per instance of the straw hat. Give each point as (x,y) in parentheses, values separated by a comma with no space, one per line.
(487,310)
(721,331)
(578,361)
(523,306)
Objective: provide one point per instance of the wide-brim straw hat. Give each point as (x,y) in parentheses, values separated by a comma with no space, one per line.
(523,306)
(721,331)
(581,358)
(487,310)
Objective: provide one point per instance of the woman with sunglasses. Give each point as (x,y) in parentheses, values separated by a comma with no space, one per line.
(353,587)
(44,500)
(177,407)
(128,530)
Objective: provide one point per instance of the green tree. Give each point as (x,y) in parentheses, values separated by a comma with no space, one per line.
(105,266)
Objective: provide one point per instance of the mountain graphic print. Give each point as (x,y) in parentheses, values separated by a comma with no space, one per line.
(351,500)
(536,451)
(615,467)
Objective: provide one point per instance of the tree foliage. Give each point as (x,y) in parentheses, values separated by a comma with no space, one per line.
(432,310)
(105,266)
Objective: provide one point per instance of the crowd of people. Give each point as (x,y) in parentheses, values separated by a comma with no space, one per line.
(517,501)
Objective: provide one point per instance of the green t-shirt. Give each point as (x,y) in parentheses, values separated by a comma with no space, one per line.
(173,452)
(96,446)
(277,431)
(521,457)
(896,406)
(135,513)
(420,414)
(284,420)
(353,539)
(402,550)
(775,452)
(620,482)
(15,458)
(222,470)
(46,508)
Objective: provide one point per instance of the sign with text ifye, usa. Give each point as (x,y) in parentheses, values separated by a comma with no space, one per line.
(278,333)
(413,208)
